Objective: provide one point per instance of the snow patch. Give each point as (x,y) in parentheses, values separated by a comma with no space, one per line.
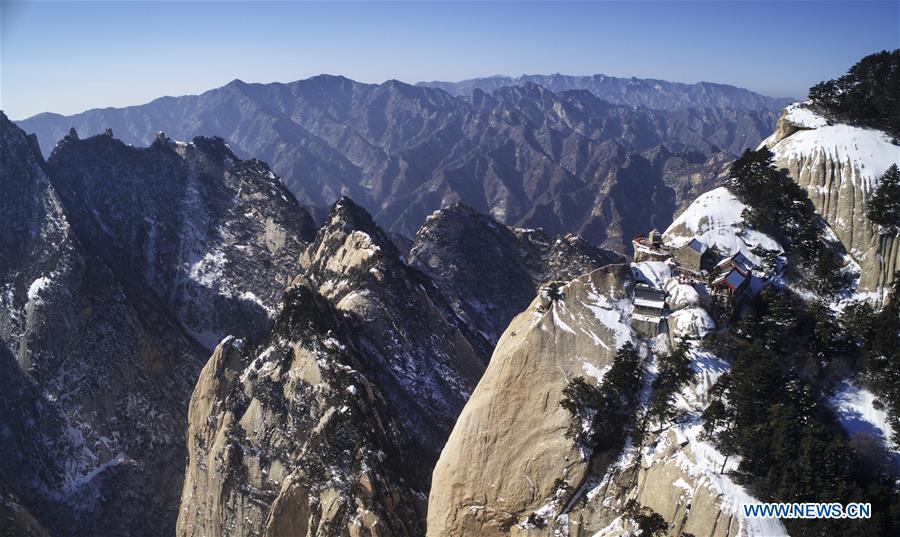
(209,270)
(652,272)
(855,408)
(690,323)
(34,290)
(597,373)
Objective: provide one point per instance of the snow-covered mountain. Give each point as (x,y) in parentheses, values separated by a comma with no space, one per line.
(477,375)
(107,307)
(744,373)
(839,165)
(370,354)
(214,238)
(124,266)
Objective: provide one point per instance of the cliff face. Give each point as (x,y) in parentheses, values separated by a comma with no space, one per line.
(508,448)
(367,368)
(839,166)
(424,358)
(117,265)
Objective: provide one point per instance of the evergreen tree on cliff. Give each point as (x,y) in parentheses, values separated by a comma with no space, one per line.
(869,94)
(884,206)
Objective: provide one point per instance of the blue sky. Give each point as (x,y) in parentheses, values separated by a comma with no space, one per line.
(71,56)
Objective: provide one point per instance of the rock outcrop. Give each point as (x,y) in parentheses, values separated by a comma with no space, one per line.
(424,358)
(118,265)
(214,238)
(491,272)
(360,326)
(94,377)
(839,165)
(508,451)
(290,438)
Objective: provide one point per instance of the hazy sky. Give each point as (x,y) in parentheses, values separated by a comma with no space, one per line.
(71,56)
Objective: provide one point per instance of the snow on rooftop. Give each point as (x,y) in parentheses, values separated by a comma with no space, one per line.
(643,302)
(868,151)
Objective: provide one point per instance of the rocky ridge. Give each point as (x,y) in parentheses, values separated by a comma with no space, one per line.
(213,237)
(96,375)
(291,438)
(411,356)
(107,306)
(646,92)
(491,272)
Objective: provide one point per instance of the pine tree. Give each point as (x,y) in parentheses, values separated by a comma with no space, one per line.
(869,94)
(674,372)
(883,207)
(602,416)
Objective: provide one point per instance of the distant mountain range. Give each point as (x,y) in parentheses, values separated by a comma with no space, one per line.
(566,161)
(644,92)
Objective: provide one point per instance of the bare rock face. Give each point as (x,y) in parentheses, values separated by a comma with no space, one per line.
(15,519)
(291,439)
(117,265)
(839,166)
(270,426)
(508,449)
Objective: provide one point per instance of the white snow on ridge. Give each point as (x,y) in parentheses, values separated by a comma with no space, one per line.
(801,116)
(612,315)
(208,271)
(715,219)
(699,459)
(868,151)
(557,320)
